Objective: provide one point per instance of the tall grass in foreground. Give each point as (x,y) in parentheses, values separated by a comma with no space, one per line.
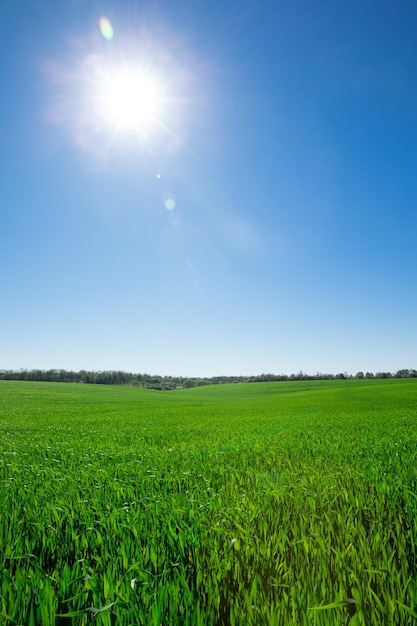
(275,504)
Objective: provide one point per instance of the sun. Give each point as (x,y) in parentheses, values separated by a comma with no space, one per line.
(131,100)
(125,97)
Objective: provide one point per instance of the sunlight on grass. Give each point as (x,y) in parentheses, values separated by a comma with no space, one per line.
(288,503)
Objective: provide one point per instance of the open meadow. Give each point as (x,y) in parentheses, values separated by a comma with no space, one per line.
(290,503)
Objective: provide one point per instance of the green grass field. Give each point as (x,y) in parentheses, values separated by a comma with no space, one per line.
(254,504)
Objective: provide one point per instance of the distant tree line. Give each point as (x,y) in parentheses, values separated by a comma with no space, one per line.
(166,383)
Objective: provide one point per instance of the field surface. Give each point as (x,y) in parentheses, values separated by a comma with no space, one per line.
(290,503)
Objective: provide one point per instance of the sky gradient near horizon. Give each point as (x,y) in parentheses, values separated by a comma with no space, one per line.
(261,215)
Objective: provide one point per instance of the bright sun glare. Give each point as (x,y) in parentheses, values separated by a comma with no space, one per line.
(120,95)
(131,100)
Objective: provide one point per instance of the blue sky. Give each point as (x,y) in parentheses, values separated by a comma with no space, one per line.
(259,217)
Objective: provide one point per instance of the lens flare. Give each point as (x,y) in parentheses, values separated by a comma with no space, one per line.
(106,28)
(169,201)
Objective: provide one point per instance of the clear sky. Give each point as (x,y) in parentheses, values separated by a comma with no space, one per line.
(205,188)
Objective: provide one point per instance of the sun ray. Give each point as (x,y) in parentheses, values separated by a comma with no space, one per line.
(117,93)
